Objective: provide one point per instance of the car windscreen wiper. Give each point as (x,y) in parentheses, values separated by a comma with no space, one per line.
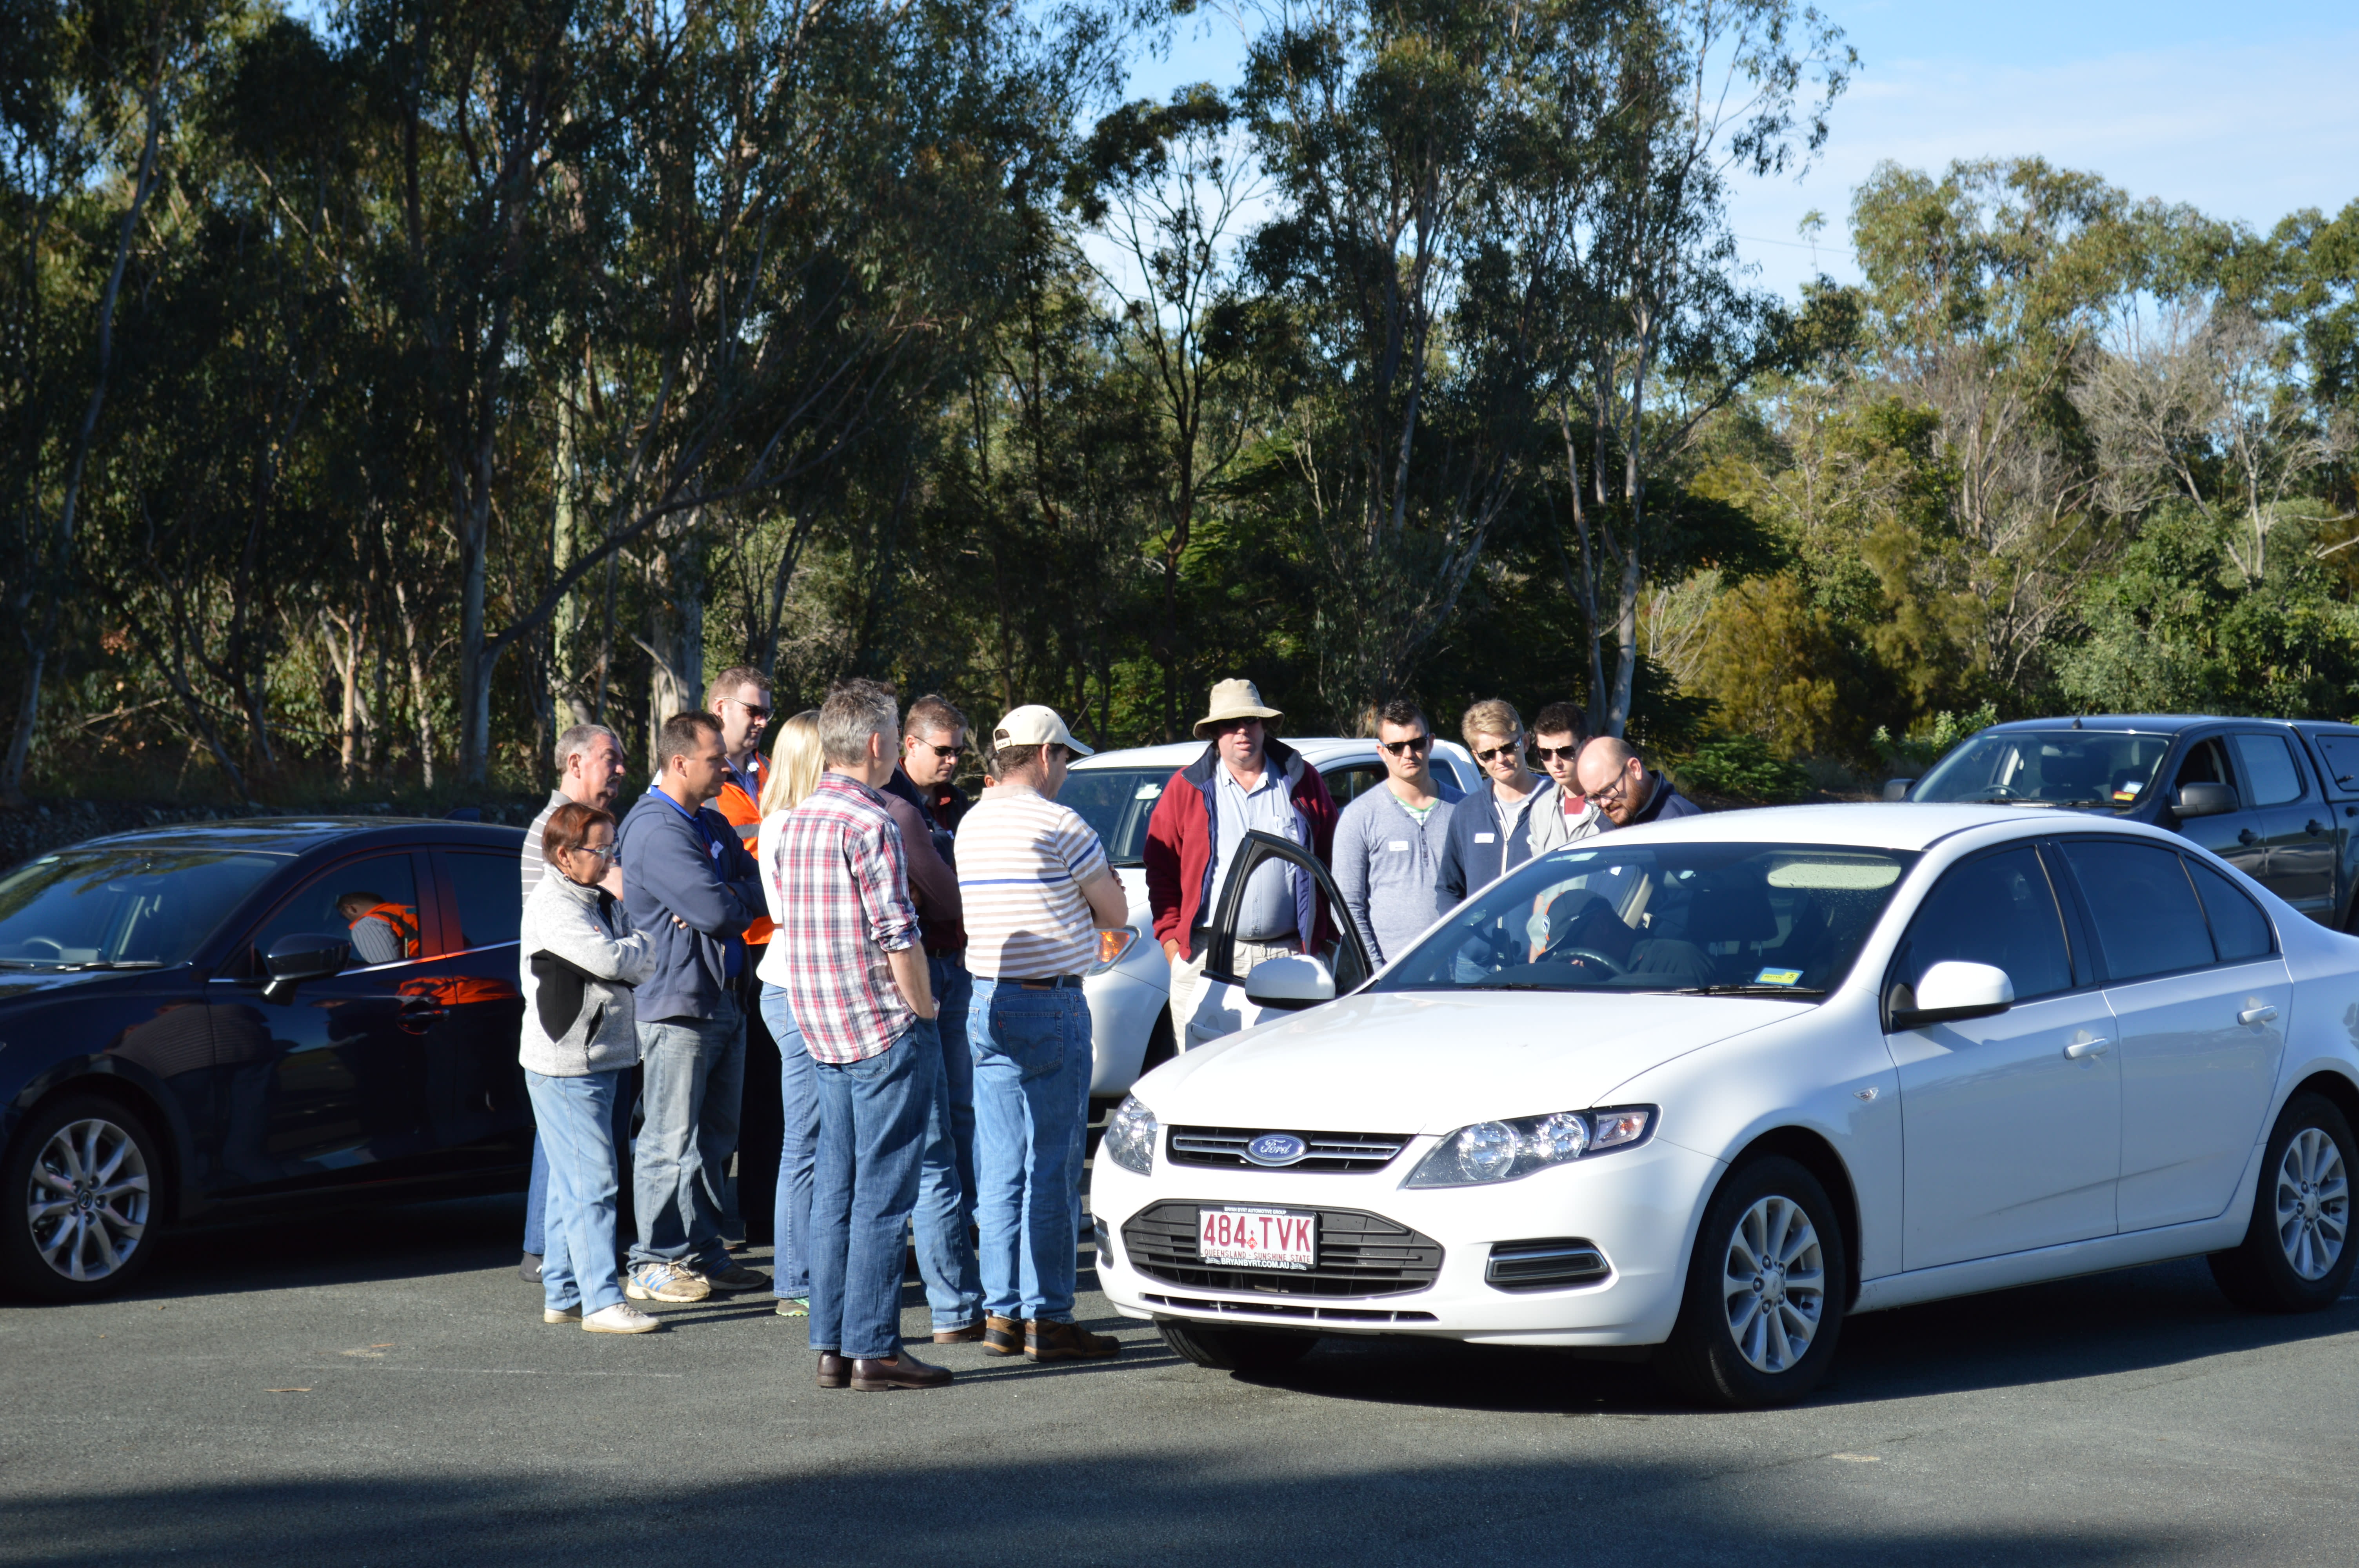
(118,964)
(1745,989)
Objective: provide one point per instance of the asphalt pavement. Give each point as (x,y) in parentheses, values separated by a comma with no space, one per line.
(378,1388)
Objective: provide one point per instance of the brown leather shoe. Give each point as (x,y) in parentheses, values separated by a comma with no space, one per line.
(1068,1342)
(1003,1336)
(880,1373)
(834,1371)
(967,1336)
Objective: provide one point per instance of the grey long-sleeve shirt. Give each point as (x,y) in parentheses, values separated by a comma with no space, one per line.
(1386,864)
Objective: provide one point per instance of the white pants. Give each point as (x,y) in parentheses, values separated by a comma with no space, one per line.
(1187,990)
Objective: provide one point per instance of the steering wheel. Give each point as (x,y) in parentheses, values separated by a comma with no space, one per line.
(2003,792)
(47,941)
(1591,955)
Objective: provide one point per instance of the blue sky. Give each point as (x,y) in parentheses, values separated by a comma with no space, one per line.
(2246,112)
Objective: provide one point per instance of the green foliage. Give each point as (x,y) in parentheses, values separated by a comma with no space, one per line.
(1929,739)
(1743,767)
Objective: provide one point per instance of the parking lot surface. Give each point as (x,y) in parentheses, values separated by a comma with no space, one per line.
(378,1388)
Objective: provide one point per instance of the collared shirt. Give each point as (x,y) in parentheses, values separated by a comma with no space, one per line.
(1022,862)
(844,894)
(1267,912)
(536,859)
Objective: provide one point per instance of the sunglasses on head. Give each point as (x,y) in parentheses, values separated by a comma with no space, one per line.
(1511,749)
(1414,746)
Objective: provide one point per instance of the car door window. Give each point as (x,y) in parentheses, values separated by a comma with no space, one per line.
(2340,754)
(2270,776)
(1998,910)
(2205,762)
(2239,930)
(483,889)
(2144,909)
(1350,959)
(1348,783)
(372,904)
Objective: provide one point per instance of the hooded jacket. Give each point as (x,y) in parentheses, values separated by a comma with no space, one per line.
(581,958)
(1182,841)
(1481,846)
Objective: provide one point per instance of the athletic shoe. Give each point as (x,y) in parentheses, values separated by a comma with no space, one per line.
(736,1277)
(665,1282)
(561,1314)
(794,1306)
(529,1270)
(621,1318)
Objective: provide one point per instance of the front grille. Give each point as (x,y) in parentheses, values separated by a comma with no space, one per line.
(1360,1254)
(1545,1265)
(1288,1310)
(1342,1151)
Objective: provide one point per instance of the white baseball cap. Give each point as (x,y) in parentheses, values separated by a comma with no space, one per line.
(1035,725)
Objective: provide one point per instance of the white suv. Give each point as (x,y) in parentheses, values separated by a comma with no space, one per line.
(1116,792)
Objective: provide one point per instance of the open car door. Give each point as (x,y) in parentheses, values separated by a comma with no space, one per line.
(1223,1004)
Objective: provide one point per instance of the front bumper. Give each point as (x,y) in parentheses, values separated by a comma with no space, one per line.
(1638,1208)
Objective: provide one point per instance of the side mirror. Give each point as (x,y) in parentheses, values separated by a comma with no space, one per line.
(2204,800)
(1897,789)
(294,959)
(1952,990)
(1289,985)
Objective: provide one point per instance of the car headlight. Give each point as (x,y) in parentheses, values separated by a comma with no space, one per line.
(1130,1136)
(1505,1151)
(1112,945)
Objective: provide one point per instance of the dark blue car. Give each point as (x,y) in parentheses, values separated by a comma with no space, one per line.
(2278,798)
(220,1020)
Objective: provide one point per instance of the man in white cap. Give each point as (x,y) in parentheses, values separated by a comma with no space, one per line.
(1246,779)
(1037,889)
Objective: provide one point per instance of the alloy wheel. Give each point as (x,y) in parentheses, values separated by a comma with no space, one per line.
(88,1199)
(1774,1284)
(2313,1203)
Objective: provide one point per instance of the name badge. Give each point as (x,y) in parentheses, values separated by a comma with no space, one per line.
(1486,838)
(1399,845)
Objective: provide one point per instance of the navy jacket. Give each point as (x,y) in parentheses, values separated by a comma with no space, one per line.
(1476,850)
(707,879)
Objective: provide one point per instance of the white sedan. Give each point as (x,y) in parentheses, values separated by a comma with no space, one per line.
(1696,1091)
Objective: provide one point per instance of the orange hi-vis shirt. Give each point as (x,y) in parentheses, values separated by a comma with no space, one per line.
(742,809)
(403,922)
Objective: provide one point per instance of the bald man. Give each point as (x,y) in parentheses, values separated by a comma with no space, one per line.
(1618,782)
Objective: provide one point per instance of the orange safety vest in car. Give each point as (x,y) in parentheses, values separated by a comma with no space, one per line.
(404,922)
(744,811)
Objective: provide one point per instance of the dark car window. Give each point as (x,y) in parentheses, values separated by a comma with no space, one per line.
(1998,910)
(2270,776)
(2048,767)
(2143,907)
(486,888)
(2205,762)
(1348,784)
(2341,754)
(2239,929)
(1116,802)
(121,904)
(371,902)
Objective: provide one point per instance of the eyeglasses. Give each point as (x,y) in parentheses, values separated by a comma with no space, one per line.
(1414,746)
(1615,791)
(1513,748)
(944,752)
(1557,753)
(602,852)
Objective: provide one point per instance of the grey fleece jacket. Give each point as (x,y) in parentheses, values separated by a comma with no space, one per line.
(587,930)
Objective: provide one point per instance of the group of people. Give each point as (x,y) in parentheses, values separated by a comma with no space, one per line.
(914,959)
(910,963)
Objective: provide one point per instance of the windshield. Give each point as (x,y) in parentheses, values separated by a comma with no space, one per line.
(2048,767)
(1736,919)
(1116,802)
(127,907)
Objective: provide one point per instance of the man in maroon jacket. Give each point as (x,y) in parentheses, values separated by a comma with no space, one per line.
(1246,779)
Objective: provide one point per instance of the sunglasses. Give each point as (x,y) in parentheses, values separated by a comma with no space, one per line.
(751,711)
(944,752)
(1557,753)
(1414,746)
(1513,748)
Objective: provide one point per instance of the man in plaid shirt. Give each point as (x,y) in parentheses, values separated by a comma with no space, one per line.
(857,983)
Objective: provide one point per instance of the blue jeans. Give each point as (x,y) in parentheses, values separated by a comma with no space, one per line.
(872,1133)
(1032,1066)
(536,1195)
(798,1093)
(577,1120)
(693,1072)
(953,994)
(945,1256)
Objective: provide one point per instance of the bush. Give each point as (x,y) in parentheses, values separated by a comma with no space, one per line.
(1743,767)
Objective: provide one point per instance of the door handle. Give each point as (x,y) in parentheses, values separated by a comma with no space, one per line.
(2080,1050)
(2246,836)
(2313,828)
(418,1012)
(2257,1015)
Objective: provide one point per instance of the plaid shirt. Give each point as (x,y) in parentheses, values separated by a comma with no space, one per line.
(845,902)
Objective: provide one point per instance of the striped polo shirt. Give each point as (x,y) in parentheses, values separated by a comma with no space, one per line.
(1021,863)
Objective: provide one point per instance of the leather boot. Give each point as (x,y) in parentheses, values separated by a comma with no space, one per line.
(1068,1342)
(1003,1336)
(878,1375)
(834,1371)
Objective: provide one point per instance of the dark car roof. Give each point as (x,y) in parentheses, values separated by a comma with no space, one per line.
(2159,723)
(301,835)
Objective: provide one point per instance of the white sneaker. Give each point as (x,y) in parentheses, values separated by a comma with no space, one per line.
(561,1314)
(621,1318)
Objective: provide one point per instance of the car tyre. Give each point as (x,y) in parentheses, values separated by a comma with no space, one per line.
(1236,1349)
(1765,1290)
(2296,1253)
(80,1215)
(1160,1046)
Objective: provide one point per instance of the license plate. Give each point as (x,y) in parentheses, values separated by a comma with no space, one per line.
(1258,1238)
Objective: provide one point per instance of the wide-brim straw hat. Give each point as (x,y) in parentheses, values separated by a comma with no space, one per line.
(1234,699)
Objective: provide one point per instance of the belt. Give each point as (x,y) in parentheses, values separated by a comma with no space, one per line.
(1053,983)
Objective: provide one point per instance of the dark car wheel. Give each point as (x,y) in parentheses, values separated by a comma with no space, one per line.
(78,1187)
(1765,1287)
(1236,1349)
(2296,1254)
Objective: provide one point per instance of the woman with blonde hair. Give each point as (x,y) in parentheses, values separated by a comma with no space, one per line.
(795,767)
